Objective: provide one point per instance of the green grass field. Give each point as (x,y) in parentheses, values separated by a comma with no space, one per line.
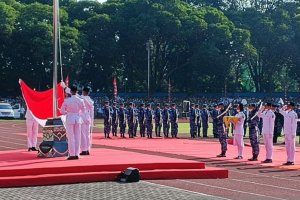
(184,130)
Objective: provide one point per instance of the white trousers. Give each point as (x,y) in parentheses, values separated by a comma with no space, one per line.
(85,137)
(268,141)
(290,147)
(32,133)
(239,142)
(73,134)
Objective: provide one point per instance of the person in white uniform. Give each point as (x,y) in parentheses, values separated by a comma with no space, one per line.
(289,130)
(87,120)
(268,118)
(32,130)
(238,130)
(73,108)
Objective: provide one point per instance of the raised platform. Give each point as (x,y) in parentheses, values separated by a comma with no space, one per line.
(21,168)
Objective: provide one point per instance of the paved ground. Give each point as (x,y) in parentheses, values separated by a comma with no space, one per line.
(109,190)
(245,181)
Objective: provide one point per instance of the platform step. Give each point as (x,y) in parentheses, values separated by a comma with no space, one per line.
(87,177)
(99,168)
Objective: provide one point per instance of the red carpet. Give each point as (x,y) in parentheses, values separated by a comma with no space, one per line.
(21,168)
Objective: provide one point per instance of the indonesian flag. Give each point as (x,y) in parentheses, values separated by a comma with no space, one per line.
(115,88)
(67,81)
(40,103)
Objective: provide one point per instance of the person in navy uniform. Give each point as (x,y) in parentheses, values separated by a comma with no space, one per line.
(107,119)
(131,120)
(253,121)
(214,114)
(221,129)
(149,118)
(141,118)
(204,117)
(114,115)
(158,120)
(278,125)
(174,120)
(122,119)
(198,119)
(166,120)
(193,116)
(136,120)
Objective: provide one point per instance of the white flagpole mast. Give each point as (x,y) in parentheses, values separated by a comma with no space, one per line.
(55,47)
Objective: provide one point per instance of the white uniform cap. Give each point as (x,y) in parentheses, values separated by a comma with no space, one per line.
(68,90)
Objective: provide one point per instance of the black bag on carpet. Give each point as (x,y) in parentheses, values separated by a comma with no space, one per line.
(129,175)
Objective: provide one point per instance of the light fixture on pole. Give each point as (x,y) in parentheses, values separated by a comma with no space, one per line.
(149,45)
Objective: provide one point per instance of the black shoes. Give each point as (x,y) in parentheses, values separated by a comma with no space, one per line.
(289,163)
(73,158)
(252,159)
(267,161)
(84,153)
(32,149)
(222,154)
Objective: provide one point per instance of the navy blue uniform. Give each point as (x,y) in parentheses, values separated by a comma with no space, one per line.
(204,117)
(122,121)
(114,124)
(158,121)
(131,121)
(174,122)
(107,120)
(253,133)
(221,132)
(193,117)
(198,121)
(149,125)
(141,119)
(214,114)
(166,121)
(136,122)
(278,125)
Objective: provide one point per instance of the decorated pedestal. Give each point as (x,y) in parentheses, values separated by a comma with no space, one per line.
(54,140)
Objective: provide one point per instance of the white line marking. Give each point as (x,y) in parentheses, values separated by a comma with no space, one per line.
(13,143)
(223,188)
(183,190)
(23,140)
(275,177)
(284,188)
(1,146)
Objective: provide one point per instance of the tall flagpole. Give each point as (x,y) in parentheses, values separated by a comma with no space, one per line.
(55,47)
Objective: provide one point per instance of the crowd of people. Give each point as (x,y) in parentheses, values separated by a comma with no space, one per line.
(270,120)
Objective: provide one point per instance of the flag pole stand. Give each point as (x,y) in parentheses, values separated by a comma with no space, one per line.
(54,140)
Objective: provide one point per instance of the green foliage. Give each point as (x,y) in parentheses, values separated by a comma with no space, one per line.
(200,45)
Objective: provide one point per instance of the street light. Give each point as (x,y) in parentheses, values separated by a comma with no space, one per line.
(126,79)
(149,45)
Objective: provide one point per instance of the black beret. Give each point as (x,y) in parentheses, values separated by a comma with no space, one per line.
(291,104)
(74,88)
(86,89)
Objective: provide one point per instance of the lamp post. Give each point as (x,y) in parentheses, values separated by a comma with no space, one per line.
(149,45)
(126,79)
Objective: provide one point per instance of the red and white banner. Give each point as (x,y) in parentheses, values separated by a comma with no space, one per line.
(40,103)
(115,88)
(67,81)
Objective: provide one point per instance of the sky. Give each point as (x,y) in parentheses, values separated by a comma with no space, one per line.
(101,1)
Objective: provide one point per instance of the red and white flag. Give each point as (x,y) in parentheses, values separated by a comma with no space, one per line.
(115,88)
(67,81)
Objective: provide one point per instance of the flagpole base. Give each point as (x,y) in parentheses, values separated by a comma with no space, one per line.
(54,139)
